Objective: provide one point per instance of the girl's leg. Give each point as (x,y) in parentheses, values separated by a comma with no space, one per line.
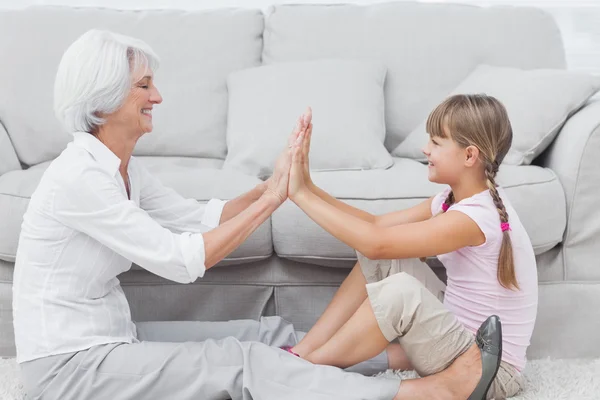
(346,301)
(359,339)
(440,348)
(351,294)
(399,306)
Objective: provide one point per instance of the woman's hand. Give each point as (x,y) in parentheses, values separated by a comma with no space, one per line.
(277,184)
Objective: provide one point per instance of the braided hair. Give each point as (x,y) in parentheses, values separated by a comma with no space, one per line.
(481,121)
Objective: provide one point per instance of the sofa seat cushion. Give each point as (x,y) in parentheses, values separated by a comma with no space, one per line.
(200,183)
(296,236)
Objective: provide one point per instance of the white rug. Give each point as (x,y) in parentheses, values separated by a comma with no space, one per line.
(546,380)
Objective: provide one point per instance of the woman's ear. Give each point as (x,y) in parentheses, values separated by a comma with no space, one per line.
(472,156)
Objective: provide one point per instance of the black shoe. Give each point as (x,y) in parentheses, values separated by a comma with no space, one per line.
(489,341)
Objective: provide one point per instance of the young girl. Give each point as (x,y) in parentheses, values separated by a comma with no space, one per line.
(471,227)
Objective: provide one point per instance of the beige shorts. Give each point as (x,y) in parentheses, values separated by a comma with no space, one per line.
(407,299)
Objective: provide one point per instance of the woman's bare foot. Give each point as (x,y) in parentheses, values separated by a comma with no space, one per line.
(457,382)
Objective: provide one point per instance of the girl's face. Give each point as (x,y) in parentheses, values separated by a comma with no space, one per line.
(446,160)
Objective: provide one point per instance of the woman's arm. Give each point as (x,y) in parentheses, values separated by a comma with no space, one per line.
(90,201)
(222,240)
(235,206)
(225,238)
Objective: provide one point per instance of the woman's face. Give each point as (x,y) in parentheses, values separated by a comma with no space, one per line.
(136,112)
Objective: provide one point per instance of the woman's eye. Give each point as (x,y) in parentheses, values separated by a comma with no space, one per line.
(144,86)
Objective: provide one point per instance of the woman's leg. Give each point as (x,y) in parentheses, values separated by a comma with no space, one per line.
(457,382)
(211,370)
(272,331)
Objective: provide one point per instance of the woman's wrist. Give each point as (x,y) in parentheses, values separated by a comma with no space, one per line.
(272,197)
(262,187)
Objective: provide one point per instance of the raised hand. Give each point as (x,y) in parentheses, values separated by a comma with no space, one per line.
(277,184)
(300,171)
(306,149)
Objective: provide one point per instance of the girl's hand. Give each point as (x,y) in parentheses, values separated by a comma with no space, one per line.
(299,180)
(306,149)
(277,184)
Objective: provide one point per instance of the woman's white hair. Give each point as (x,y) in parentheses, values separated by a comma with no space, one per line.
(95,76)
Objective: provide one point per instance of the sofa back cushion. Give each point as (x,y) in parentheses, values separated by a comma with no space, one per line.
(428,49)
(538,102)
(346,97)
(197,51)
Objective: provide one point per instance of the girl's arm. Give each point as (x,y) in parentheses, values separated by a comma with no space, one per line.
(340,205)
(448,232)
(420,212)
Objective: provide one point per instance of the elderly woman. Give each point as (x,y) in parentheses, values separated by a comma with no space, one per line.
(97,210)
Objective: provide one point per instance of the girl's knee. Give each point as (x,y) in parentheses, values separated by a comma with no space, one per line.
(404,281)
(398,286)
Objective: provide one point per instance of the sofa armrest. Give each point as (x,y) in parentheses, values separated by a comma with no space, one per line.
(8,158)
(574,157)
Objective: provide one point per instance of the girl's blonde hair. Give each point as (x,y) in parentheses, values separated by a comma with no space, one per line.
(481,121)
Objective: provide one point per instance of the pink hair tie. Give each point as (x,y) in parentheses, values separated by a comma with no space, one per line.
(445,207)
(505,226)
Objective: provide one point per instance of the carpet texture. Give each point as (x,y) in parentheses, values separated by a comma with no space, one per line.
(546,379)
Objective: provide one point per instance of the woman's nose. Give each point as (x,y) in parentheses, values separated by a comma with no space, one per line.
(156,97)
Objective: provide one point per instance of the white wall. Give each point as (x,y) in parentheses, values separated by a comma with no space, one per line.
(579,20)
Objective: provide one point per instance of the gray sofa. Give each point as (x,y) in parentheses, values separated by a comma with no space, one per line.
(290,266)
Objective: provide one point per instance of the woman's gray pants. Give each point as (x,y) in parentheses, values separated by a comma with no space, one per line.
(203,361)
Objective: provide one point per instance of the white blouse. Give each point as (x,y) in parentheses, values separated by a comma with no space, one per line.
(80,231)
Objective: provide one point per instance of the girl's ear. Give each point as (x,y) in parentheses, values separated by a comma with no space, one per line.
(471,156)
